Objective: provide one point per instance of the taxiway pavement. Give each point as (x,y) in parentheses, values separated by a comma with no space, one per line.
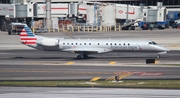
(19,62)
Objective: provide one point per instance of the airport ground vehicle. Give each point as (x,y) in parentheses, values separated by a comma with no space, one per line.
(173,17)
(159,25)
(176,25)
(12,29)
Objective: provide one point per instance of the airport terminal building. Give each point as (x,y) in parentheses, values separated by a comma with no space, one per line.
(80,12)
(135,2)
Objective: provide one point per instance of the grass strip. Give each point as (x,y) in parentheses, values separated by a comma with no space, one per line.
(172,64)
(161,84)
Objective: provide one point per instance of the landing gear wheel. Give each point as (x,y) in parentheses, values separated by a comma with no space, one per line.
(86,56)
(158,56)
(9,32)
(82,55)
(78,57)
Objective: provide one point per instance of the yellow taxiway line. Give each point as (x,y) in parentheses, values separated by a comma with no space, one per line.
(112,63)
(69,63)
(95,79)
(121,76)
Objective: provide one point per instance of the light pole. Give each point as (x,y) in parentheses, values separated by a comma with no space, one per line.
(48,13)
(44,8)
(127,13)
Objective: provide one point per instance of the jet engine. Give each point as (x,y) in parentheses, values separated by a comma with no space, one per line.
(48,42)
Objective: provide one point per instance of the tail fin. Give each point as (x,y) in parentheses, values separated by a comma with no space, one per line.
(26,35)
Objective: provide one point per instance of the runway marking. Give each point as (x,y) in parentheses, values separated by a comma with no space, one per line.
(150,74)
(125,75)
(95,79)
(112,63)
(110,78)
(147,73)
(50,63)
(69,63)
(121,76)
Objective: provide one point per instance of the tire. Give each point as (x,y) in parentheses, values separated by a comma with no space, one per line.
(127,28)
(142,28)
(123,28)
(133,28)
(86,56)
(130,27)
(9,32)
(159,27)
(78,57)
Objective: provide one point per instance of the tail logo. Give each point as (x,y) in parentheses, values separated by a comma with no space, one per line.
(26,35)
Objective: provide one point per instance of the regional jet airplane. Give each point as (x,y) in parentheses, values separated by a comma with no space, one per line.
(85,47)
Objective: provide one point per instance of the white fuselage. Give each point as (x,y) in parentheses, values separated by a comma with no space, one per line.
(84,47)
(100,45)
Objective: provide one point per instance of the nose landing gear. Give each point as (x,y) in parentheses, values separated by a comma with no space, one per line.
(79,57)
(158,56)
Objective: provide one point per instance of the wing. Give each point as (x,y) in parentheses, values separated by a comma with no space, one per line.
(88,50)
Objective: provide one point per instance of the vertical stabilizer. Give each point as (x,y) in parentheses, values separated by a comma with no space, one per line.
(26,35)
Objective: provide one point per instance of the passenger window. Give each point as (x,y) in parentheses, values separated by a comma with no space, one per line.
(71,43)
(89,43)
(120,44)
(63,43)
(106,43)
(115,44)
(84,43)
(128,44)
(111,44)
(80,44)
(124,44)
(98,44)
(76,43)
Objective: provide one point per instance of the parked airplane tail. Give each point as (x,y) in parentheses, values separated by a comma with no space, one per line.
(26,35)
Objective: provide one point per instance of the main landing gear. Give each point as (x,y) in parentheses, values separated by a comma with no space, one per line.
(82,55)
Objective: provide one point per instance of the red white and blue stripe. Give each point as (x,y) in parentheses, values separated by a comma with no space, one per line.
(26,35)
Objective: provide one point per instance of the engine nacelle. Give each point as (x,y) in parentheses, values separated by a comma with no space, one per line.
(48,42)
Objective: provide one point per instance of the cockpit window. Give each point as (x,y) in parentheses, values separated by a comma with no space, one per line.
(152,43)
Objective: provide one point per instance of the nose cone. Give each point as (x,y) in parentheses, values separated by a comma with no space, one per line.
(162,49)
